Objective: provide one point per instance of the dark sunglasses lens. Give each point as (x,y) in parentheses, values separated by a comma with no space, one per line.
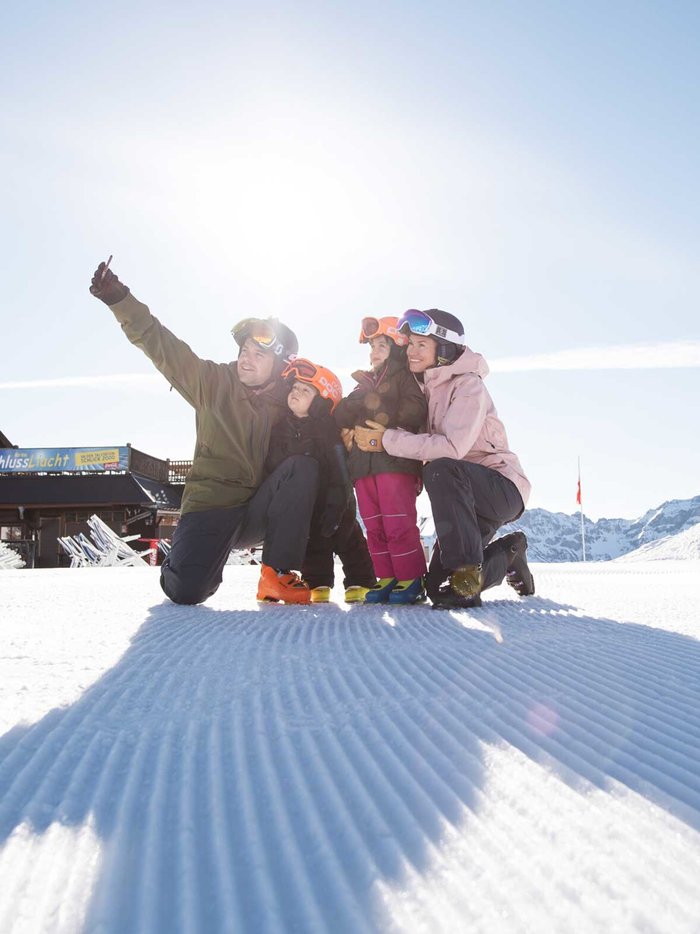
(370,326)
(263,334)
(307,370)
(259,331)
(416,321)
(302,369)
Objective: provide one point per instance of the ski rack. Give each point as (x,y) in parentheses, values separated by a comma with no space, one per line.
(9,559)
(103,549)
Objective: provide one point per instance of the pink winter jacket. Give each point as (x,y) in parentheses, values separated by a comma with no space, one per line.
(462,422)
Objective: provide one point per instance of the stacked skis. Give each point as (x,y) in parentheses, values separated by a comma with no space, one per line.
(103,549)
(9,558)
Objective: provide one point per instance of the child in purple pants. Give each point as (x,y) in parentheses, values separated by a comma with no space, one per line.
(387,486)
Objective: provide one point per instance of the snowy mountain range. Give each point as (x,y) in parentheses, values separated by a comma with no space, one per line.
(554,536)
(683,545)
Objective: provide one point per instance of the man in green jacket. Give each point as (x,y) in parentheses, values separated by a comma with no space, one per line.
(226,503)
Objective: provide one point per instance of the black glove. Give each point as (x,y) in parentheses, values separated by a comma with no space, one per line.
(107,287)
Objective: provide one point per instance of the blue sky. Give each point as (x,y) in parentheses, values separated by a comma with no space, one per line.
(530,167)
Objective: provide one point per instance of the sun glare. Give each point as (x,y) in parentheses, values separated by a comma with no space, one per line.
(279,214)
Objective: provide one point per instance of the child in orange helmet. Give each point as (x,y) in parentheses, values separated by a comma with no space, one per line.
(387,486)
(308,429)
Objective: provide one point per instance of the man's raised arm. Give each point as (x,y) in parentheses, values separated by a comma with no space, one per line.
(183,369)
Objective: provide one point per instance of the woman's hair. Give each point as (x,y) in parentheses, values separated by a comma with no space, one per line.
(397,353)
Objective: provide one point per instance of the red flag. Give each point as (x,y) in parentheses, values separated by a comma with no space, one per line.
(578,492)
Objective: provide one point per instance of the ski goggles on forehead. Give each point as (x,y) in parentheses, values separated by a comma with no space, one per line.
(259,331)
(419,322)
(370,328)
(374,327)
(302,369)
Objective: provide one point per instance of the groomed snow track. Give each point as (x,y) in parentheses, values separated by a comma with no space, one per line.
(530,766)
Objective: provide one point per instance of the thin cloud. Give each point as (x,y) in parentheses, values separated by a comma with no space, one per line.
(103,381)
(672,355)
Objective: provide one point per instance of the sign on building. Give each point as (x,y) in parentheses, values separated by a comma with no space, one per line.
(54,460)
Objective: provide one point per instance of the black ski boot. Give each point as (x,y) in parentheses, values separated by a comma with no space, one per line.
(447,599)
(462,592)
(518,574)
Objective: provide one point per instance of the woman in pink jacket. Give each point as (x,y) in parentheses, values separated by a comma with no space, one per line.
(475,483)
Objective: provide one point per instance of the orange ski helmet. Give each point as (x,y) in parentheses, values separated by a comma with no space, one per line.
(378,327)
(323,380)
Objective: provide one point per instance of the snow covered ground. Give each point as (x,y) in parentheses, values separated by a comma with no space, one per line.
(533,765)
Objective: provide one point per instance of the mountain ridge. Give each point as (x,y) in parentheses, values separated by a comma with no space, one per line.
(555,537)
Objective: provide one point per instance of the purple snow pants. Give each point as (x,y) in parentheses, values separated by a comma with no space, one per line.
(387,504)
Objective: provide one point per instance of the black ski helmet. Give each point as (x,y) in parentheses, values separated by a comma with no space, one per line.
(446,332)
(274,336)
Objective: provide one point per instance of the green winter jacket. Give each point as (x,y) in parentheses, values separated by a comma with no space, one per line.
(233,421)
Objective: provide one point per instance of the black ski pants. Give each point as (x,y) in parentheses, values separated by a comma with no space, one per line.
(279,515)
(349,544)
(470,503)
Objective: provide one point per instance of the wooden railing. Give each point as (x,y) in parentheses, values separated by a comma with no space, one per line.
(178,470)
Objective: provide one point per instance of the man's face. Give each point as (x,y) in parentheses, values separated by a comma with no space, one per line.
(254,364)
(421,353)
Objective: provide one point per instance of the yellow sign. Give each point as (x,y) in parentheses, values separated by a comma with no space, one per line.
(85,458)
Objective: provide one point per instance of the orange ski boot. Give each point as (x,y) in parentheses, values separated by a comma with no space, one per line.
(282,586)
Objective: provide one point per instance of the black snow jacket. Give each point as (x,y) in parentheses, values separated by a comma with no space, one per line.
(393,397)
(316,436)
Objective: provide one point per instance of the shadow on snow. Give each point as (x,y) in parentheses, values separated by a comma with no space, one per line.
(260,770)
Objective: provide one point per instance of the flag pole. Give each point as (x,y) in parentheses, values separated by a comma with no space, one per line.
(580,504)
